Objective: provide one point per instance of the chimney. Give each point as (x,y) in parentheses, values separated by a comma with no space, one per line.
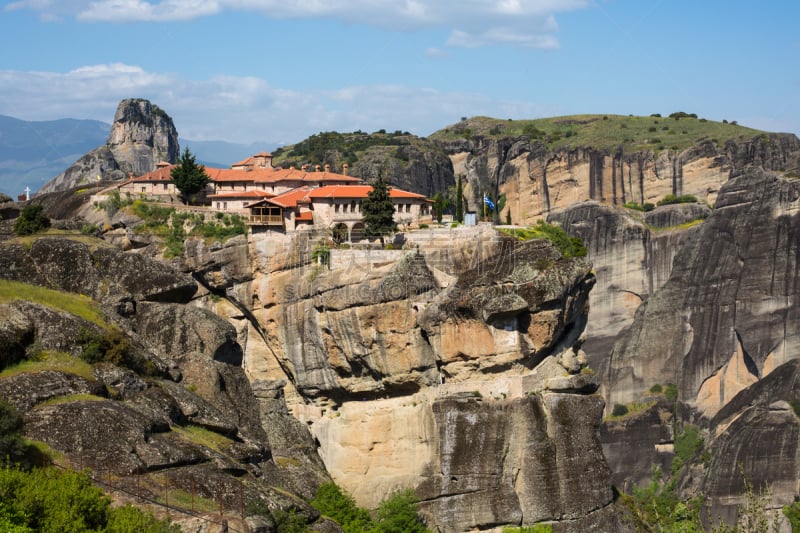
(327,167)
(344,168)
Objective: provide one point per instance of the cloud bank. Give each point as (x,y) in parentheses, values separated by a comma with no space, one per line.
(471,23)
(244,109)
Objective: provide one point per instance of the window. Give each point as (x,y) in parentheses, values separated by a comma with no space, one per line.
(217,205)
(335,208)
(408,208)
(225,206)
(164,186)
(144,189)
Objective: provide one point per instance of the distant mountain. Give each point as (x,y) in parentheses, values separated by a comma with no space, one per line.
(33,152)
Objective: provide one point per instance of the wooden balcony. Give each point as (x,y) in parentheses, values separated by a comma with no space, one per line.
(265,216)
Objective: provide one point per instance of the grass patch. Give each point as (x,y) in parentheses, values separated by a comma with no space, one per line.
(600,131)
(684,226)
(59,361)
(629,409)
(204,437)
(74,398)
(286,461)
(183,499)
(537,528)
(89,240)
(74,304)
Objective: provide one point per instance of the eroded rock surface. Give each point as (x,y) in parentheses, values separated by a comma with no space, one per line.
(141,136)
(730,307)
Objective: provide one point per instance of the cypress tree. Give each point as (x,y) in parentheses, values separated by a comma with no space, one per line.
(378,211)
(459,201)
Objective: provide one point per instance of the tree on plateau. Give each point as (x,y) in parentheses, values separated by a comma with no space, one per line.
(188,176)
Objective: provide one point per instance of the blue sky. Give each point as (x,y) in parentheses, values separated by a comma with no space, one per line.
(279,70)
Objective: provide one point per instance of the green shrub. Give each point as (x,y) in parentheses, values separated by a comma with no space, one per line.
(656,389)
(619,410)
(51,501)
(321,254)
(89,229)
(673,199)
(568,246)
(398,514)
(31,220)
(792,512)
(334,503)
(633,205)
(671,392)
(656,507)
(688,442)
(13,449)
(423,226)
(112,346)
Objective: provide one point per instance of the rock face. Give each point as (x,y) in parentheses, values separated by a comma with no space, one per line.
(730,305)
(141,136)
(758,431)
(470,391)
(423,169)
(632,256)
(192,423)
(537,181)
(723,328)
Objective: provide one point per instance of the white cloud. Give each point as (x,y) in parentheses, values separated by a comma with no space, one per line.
(437,52)
(529,23)
(243,109)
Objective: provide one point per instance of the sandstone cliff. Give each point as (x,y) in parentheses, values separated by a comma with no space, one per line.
(431,370)
(141,136)
(538,181)
(723,323)
(172,410)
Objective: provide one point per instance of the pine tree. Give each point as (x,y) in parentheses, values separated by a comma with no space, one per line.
(189,177)
(378,211)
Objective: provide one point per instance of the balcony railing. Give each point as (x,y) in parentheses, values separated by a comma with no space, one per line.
(265,220)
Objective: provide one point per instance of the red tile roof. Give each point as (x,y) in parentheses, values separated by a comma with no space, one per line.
(358,191)
(242,194)
(160,174)
(305,216)
(291,198)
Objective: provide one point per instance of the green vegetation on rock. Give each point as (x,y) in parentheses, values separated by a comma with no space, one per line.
(568,246)
(31,220)
(175,226)
(609,132)
(48,500)
(349,147)
(536,528)
(396,514)
(75,304)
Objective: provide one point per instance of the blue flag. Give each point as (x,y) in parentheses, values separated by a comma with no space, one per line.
(488,202)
